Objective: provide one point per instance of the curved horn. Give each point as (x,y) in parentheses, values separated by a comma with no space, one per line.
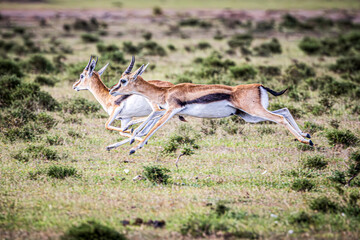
(137,73)
(96,60)
(130,67)
(143,70)
(87,66)
(102,70)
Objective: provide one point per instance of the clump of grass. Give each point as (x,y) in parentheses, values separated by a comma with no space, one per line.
(240,40)
(344,137)
(147,36)
(315,162)
(130,48)
(269,48)
(43,80)
(312,127)
(302,184)
(244,72)
(61,172)
(349,64)
(102,48)
(303,218)
(171,47)
(74,134)
(185,140)
(55,140)
(265,130)
(116,56)
(203,45)
(156,174)
(92,230)
(194,22)
(89,38)
(153,48)
(36,152)
(46,120)
(351,172)
(79,105)
(310,45)
(157,11)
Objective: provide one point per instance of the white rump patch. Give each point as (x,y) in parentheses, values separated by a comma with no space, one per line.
(264,97)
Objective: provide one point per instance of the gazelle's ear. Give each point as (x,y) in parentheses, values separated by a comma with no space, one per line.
(102,70)
(137,73)
(92,66)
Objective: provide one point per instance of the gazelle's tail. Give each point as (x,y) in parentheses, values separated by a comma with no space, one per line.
(273,92)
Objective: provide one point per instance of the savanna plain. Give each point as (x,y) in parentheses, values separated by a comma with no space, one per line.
(234,179)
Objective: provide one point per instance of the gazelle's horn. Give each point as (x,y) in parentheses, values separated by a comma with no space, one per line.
(138,72)
(102,70)
(143,70)
(130,67)
(87,67)
(96,60)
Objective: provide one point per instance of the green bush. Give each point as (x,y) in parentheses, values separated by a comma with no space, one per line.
(324,204)
(8,67)
(157,174)
(244,72)
(344,137)
(194,22)
(153,48)
(147,36)
(269,71)
(315,162)
(43,80)
(89,38)
(157,11)
(302,218)
(129,48)
(263,26)
(298,72)
(79,105)
(240,40)
(91,25)
(312,127)
(267,49)
(171,47)
(55,139)
(92,230)
(302,184)
(203,45)
(102,48)
(351,172)
(289,21)
(310,45)
(39,64)
(61,172)
(7,85)
(346,65)
(37,152)
(116,56)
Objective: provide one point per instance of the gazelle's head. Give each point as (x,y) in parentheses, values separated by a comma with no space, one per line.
(87,75)
(127,82)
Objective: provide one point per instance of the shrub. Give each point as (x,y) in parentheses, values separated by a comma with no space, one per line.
(147,36)
(302,184)
(302,218)
(157,11)
(297,72)
(39,64)
(310,45)
(61,172)
(312,127)
(89,38)
(37,152)
(338,177)
(129,48)
(91,25)
(92,230)
(346,65)
(153,48)
(7,85)
(46,120)
(240,40)
(244,72)
(315,162)
(324,204)
(102,48)
(185,140)
(267,49)
(193,22)
(351,172)
(42,80)
(263,26)
(344,137)
(157,174)
(116,56)
(171,47)
(79,105)
(270,71)
(8,67)
(203,45)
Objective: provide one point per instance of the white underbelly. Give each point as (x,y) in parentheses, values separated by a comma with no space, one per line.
(218,109)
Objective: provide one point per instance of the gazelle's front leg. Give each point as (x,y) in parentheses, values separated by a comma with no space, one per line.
(111,119)
(286,113)
(150,117)
(167,116)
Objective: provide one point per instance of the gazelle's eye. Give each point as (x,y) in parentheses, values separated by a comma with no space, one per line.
(123,81)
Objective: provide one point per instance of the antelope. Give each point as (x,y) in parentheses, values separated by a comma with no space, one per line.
(122,108)
(249,102)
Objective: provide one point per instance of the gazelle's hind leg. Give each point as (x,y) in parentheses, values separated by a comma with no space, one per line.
(286,113)
(261,112)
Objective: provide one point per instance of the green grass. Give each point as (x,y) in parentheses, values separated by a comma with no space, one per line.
(187,4)
(266,179)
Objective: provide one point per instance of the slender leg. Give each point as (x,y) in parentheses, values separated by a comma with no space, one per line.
(286,113)
(151,116)
(167,116)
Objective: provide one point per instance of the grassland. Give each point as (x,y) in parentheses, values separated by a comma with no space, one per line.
(244,180)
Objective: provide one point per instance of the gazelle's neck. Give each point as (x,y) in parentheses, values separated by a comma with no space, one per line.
(152,92)
(100,92)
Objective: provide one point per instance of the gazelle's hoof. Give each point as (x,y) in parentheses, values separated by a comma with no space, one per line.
(132,141)
(131,151)
(311,143)
(108,148)
(308,135)
(132,130)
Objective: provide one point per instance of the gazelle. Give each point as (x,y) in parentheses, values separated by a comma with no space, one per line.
(206,101)
(123,108)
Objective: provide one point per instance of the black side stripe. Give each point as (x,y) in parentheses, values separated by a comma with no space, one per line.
(121,98)
(215,97)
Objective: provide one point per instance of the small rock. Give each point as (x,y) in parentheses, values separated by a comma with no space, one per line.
(125,222)
(138,222)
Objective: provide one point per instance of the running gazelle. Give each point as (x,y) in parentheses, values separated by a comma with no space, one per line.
(123,108)
(205,101)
